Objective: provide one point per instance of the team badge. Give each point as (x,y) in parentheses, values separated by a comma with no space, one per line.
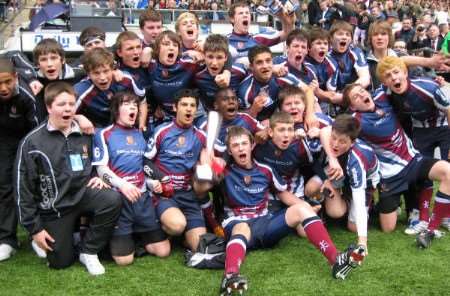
(380,112)
(109,95)
(247,180)
(85,152)
(240,45)
(13,110)
(181,141)
(130,140)
(165,73)
(277,152)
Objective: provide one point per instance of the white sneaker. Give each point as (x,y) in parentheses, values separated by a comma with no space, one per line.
(92,264)
(38,250)
(6,251)
(416,228)
(446,223)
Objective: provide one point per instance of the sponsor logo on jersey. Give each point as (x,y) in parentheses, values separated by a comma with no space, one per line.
(277,152)
(85,152)
(380,112)
(130,140)
(164,73)
(181,141)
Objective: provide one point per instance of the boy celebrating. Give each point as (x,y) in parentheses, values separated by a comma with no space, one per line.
(94,94)
(150,23)
(119,157)
(50,204)
(248,224)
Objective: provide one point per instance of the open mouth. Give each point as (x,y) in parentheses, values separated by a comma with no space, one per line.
(298,58)
(190,32)
(136,59)
(321,54)
(66,117)
(343,43)
(397,85)
(366,101)
(188,116)
(285,142)
(245,22)
(171,55)
(51,71)
(103,84)
(242,156)
(132,116)
(294,113)
(214,69)
(231,109)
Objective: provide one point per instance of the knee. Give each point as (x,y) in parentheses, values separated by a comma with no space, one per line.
(335,212)
(161,249)
(124,260)
(175,226)
(241,228)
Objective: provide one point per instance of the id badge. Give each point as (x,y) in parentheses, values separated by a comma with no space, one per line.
(76,163)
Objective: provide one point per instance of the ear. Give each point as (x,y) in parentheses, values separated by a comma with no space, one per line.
(270,132)
(174,108)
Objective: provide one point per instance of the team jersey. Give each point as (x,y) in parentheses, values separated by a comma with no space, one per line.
(167,80)
(246,191)
(95,103)
(176,150)
(241,119)
(139,75)
(240,44)
(348,64)
(382,131)
(250,88)
(122,150)
(423,101)
(305,74)
(360,166)
(208,88)
(286,163)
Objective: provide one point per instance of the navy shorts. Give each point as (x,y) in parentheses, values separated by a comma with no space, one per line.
(266,231)
(391,189)
(137,217)
(187,202)
(427,139)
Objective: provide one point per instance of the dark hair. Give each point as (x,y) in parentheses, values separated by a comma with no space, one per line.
(235,5)
(97,57)
(296,34)
(6,66)
(223,91)
(237,131)
(91,32)
(215,43)
(186,93)
(317,34)
(345,94)
(118,99)
(347,125)
(125,36)
(46,46)
(256,50)
(172,37)
(54,89)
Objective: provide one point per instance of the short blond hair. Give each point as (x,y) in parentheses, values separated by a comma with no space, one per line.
(389,63)
(184,16)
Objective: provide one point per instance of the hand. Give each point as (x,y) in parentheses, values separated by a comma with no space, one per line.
(142,127)
(336,98)
(334,170)
(156,186)
(311,121)
(362,240)
(438,61)
(198,45)
(327,186)
(35,86)
(85,124)
(97,183)
(42,238)
(131,192)
(146,56)
(314,84)
(197,56)
(262,136)
(280,70)
(117,75)
(314,132)
(440,80)
(258,104)
(223,80)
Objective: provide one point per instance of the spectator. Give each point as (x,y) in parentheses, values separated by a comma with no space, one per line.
(407,32)
(434,40)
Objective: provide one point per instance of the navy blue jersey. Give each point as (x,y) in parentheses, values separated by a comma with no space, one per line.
(325,72)
(348,65)
(95,103)
(122,150)
(167,80)
(286,163)
(208,88)
(246,191)
(176,150)
(382,131)
(424,102)
(240,44)
(140,75)
(251,88)
(306,74)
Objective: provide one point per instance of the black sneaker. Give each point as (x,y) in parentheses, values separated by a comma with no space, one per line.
(232,283)
(348,260)
(424,238)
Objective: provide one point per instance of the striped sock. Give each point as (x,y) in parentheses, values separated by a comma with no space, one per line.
(441,210)
(319,237)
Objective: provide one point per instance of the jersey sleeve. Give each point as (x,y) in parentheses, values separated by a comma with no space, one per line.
(356,172)
(268,38)
(290,79)
(360,59)
(100,148)
(441,98)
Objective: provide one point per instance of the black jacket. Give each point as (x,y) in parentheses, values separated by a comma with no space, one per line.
(47,185)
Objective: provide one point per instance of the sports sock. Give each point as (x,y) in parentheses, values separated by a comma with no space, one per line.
(235,253)
(319,237)
(441,210)
(424,203)
(208,212)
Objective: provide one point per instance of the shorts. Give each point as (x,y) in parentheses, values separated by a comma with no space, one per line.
(188,204)
(391,188)
(427,139)
(137,217)
(124,245)
(266,231)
